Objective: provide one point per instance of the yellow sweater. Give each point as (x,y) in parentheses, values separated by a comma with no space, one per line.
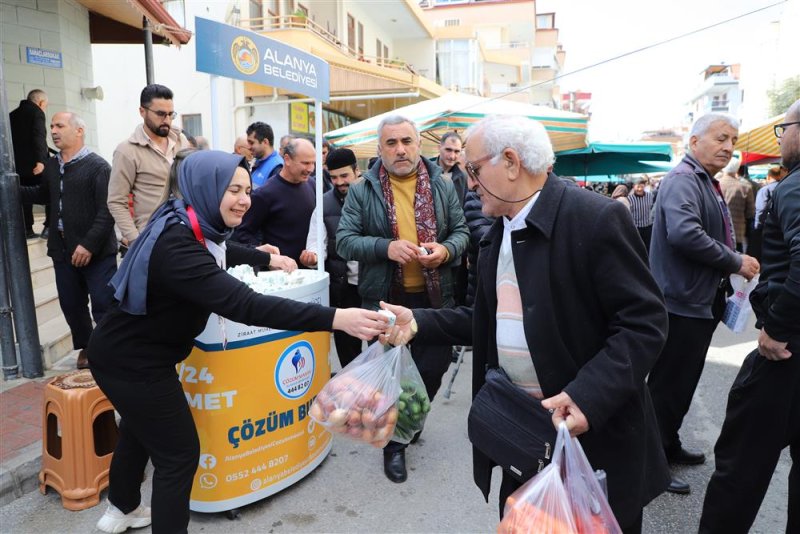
(404,190)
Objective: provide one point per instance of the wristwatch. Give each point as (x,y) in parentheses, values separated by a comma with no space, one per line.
(413,327)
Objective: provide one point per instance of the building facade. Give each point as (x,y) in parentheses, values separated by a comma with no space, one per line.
(497,48)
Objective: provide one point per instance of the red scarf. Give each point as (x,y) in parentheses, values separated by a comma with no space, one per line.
(425,217)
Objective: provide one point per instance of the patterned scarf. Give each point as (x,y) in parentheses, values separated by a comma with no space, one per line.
(425,217)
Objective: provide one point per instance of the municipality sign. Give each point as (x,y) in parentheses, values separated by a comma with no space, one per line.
(232,52)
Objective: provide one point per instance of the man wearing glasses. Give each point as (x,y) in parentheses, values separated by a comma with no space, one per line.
(141,163)
(567,307)
(763,413)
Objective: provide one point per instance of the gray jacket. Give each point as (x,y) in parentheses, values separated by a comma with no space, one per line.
(688,255)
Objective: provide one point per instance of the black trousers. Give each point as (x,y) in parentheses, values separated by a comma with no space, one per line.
(344,295)
(27,208)
(762,418)
(646,233)
(156,424)
(76,285)
(432,360)
(674,377)
(509,485)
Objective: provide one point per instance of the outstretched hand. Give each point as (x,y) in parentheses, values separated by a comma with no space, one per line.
(284,263)
(360,323)
(400,333)
(565,410)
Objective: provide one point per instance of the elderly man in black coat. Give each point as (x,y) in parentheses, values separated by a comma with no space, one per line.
(29,136)
(566,306)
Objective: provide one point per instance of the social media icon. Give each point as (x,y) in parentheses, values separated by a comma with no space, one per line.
(208,481)
(208,461)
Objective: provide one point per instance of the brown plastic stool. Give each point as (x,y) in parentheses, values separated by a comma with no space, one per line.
(80,434)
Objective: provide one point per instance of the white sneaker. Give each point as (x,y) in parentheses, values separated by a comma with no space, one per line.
(115,521)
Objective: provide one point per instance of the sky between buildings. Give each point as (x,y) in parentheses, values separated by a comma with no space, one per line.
(650,89)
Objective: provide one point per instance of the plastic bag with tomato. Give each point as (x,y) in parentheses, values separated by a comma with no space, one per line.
(564,498)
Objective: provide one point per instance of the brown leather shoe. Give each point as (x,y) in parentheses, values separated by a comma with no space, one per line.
(83,360)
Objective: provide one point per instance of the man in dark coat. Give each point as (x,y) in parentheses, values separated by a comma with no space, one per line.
(82,243)
(763,413)
(29,136)
(568,309)
(450,148)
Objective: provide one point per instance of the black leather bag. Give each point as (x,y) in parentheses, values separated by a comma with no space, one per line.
(511,427)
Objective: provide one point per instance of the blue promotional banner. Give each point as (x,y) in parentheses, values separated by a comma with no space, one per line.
(232,52)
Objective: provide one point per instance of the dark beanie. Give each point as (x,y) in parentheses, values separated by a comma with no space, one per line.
(340,157)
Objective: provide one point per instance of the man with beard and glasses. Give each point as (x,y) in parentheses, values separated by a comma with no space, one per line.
(140,166)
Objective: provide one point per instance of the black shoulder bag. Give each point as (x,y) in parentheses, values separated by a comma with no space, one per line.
(511,427)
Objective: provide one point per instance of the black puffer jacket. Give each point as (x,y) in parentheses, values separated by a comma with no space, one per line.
(478,224)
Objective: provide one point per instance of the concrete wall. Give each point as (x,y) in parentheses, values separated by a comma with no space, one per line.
(57,25)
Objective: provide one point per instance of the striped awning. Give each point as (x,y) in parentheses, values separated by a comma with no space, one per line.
(759,142)
(456,111)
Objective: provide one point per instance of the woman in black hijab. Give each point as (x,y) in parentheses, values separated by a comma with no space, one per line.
(169,283)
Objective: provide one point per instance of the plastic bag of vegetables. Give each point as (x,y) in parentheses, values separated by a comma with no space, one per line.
(564,498)
(413,404)
(360,401)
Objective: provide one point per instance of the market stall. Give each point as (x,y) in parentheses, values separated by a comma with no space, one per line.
(458,111)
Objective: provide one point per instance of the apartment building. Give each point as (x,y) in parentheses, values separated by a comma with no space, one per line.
(718,91)
(497,48)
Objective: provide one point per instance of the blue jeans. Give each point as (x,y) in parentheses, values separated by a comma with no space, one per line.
(76,285)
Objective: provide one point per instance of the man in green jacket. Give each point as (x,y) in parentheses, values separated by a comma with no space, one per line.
(405,226)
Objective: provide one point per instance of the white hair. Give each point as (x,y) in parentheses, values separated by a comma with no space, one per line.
(76,122)
(391,120)
(733,165)
(701,125)
(527,136)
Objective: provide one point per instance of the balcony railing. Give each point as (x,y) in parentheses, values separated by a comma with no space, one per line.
(294,22)
(507,46)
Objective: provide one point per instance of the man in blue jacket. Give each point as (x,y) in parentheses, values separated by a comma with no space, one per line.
(692,253)
(763,414)
(404,225)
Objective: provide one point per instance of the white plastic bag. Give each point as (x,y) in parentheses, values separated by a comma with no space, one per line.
(360,401)
(737,310)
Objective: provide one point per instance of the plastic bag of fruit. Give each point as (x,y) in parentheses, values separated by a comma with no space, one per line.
(564,498)
(413,403)
(360,401)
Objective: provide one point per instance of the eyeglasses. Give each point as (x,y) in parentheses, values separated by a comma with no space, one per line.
(474,167)
(781,128)
(162,114)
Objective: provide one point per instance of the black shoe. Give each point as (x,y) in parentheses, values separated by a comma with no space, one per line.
(83,360)
(678,486)
(30,234)
(683,457)
(394,465)
(45,233)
